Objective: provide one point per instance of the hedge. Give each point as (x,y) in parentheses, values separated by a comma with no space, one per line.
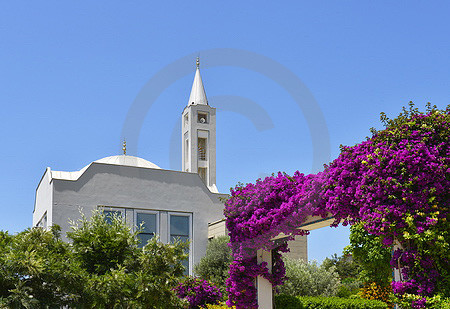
(292,302)
(284,301)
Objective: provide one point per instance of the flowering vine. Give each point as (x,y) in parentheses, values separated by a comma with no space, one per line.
(396,183)
(198,292)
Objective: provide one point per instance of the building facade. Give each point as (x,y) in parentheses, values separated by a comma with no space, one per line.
(172,204)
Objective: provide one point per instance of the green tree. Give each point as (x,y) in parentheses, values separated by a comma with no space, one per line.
(102,267)
(348,271)
(370,254)
(119,274)
(215,264)
(309,279)
(346,267)
(35,270)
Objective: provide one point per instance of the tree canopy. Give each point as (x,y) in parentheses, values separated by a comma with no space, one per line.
(101,266)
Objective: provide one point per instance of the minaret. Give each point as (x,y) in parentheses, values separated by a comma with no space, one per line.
(199,134)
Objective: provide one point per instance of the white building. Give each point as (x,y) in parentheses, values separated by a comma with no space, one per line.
(170,203)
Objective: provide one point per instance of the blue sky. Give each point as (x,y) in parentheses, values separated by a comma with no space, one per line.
(71,70)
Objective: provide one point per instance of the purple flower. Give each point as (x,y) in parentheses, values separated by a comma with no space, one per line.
(198,292)
(394,183)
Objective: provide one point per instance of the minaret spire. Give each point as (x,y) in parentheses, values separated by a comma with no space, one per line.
(199,134)
(198,94)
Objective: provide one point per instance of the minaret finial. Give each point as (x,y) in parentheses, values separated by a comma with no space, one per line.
(124,147)
(197,63)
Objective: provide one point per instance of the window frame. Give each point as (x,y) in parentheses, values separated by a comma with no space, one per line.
(191,235)
(202,156)
(144,211)
(200,114)
(122,210)
(186,120)
(43,222)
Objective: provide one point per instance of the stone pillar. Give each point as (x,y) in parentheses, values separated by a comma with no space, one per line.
(397,271)
(264,287)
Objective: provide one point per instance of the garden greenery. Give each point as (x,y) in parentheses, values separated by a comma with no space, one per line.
(371,256)
(348,269)
(216,262)
(101,267)
(396,183)
(292,302)
(309,279)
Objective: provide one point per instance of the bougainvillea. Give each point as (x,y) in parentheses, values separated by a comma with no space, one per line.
(396,183)
(198,292)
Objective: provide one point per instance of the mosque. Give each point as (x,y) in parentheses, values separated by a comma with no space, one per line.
(172,204)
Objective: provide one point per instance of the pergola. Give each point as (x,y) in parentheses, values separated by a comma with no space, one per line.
(264,287)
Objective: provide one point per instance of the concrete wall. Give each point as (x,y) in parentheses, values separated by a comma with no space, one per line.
(44,198)
(191,132)
(131,189)
(216,229)
(299,248)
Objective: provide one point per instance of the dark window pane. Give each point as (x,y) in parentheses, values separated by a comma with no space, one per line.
(185,263)
(179,230)
(110,214)
(144,238)
(148,222)
(179,225)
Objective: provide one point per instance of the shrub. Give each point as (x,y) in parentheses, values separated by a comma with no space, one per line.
(103,267)
(416,301)
(284,301)
(198,292)
(215,264)
(34,271)
(377,292)
(309,279)
(326,303)
(346,266)
(341,303)
(219,306)
(348,287)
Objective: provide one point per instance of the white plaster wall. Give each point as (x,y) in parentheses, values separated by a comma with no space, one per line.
(190,131)
(139,188)
(44,198)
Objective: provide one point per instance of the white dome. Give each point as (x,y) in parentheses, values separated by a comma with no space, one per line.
(128,161)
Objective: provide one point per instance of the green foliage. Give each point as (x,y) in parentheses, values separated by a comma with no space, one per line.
(435,302)
(35,270)
(407,114)
(103,267)
(373,259)
(348,271)
(5,280)
(101,245)
(309,279)
(345,266)
(326,303)
(285,301)
(348,287)
(215,264)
